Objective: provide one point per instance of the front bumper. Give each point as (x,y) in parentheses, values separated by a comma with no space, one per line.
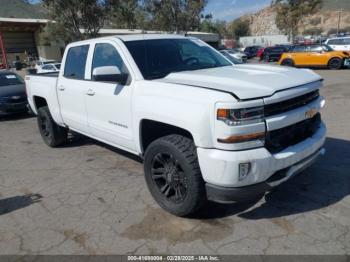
(220,168)
(238,194)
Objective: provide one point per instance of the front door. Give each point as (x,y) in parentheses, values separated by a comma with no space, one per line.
(316,55)
(108,103)
(71,89)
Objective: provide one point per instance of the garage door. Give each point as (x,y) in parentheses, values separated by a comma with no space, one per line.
(19,42)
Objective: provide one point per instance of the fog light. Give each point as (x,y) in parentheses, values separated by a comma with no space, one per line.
(244,169)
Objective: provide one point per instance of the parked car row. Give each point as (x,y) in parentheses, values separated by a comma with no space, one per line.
(336,56)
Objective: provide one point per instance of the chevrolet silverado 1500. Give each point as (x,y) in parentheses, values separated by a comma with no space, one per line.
(205,128)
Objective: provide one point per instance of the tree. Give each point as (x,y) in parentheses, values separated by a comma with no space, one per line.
(70,16)
(290,14)
(239,28)
(210,26)
(125,13)
(175,15)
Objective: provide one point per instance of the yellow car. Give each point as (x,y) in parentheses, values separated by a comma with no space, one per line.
(315,56)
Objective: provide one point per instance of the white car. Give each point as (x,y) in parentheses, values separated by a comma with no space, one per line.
(206,130)
(236,54)
(339,43)
(40,63)
(49,68)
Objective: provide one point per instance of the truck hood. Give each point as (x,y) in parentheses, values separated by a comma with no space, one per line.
(245,81)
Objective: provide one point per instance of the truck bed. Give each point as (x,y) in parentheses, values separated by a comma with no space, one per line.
(50,74)
(43,86)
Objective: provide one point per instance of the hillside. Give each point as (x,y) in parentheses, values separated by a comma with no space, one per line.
(20,9)
(325,21)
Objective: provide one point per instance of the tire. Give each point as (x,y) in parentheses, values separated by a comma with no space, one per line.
(52,134)
(173,175)
(288,62)
(335,64)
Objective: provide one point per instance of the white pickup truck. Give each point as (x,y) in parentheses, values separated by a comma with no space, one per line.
(205,128)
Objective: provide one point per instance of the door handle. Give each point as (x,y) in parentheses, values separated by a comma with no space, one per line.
(90,92)
(61,88)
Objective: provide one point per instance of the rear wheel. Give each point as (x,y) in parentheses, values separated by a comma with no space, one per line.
(173,175)
(52,134)
(287,62)
(335,64)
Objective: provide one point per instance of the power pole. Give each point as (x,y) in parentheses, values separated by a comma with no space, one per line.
(339,15)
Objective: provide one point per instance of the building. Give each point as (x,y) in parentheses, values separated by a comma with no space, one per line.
(20,39)
(264,40)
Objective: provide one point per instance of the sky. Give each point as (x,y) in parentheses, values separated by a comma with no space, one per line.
(231,9)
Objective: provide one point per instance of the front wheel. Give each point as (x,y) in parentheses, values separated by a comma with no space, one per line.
(173,175)
(52,134)
(335,64)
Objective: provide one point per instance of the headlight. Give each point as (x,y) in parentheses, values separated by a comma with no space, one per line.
(237,117)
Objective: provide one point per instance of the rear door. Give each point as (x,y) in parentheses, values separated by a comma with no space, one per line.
(72,88)
(108,103)
(299,55)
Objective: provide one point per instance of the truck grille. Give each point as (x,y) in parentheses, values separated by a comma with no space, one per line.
(280,139)
(290,104)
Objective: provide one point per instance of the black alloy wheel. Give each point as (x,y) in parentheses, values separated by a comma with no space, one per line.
(169,177)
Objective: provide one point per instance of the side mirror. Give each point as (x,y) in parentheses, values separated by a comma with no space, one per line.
(109,74)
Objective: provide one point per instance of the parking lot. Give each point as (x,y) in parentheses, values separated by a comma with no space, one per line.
(87,198)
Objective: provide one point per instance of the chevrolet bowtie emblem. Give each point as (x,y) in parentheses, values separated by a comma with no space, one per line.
(311,113)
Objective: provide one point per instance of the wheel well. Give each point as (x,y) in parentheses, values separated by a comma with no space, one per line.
(151,130)
(39,102)
(288,59)
(335,57)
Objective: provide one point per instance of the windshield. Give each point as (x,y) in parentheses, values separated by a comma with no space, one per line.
(58,66)
(10,79)
(160,57)
(328,48)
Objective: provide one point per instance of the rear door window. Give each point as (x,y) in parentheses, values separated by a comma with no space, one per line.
(299,49)
(76,61)
(336,42)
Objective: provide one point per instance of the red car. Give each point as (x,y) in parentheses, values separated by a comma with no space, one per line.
(260,52)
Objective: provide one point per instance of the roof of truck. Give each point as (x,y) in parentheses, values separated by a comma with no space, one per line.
(137,37)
